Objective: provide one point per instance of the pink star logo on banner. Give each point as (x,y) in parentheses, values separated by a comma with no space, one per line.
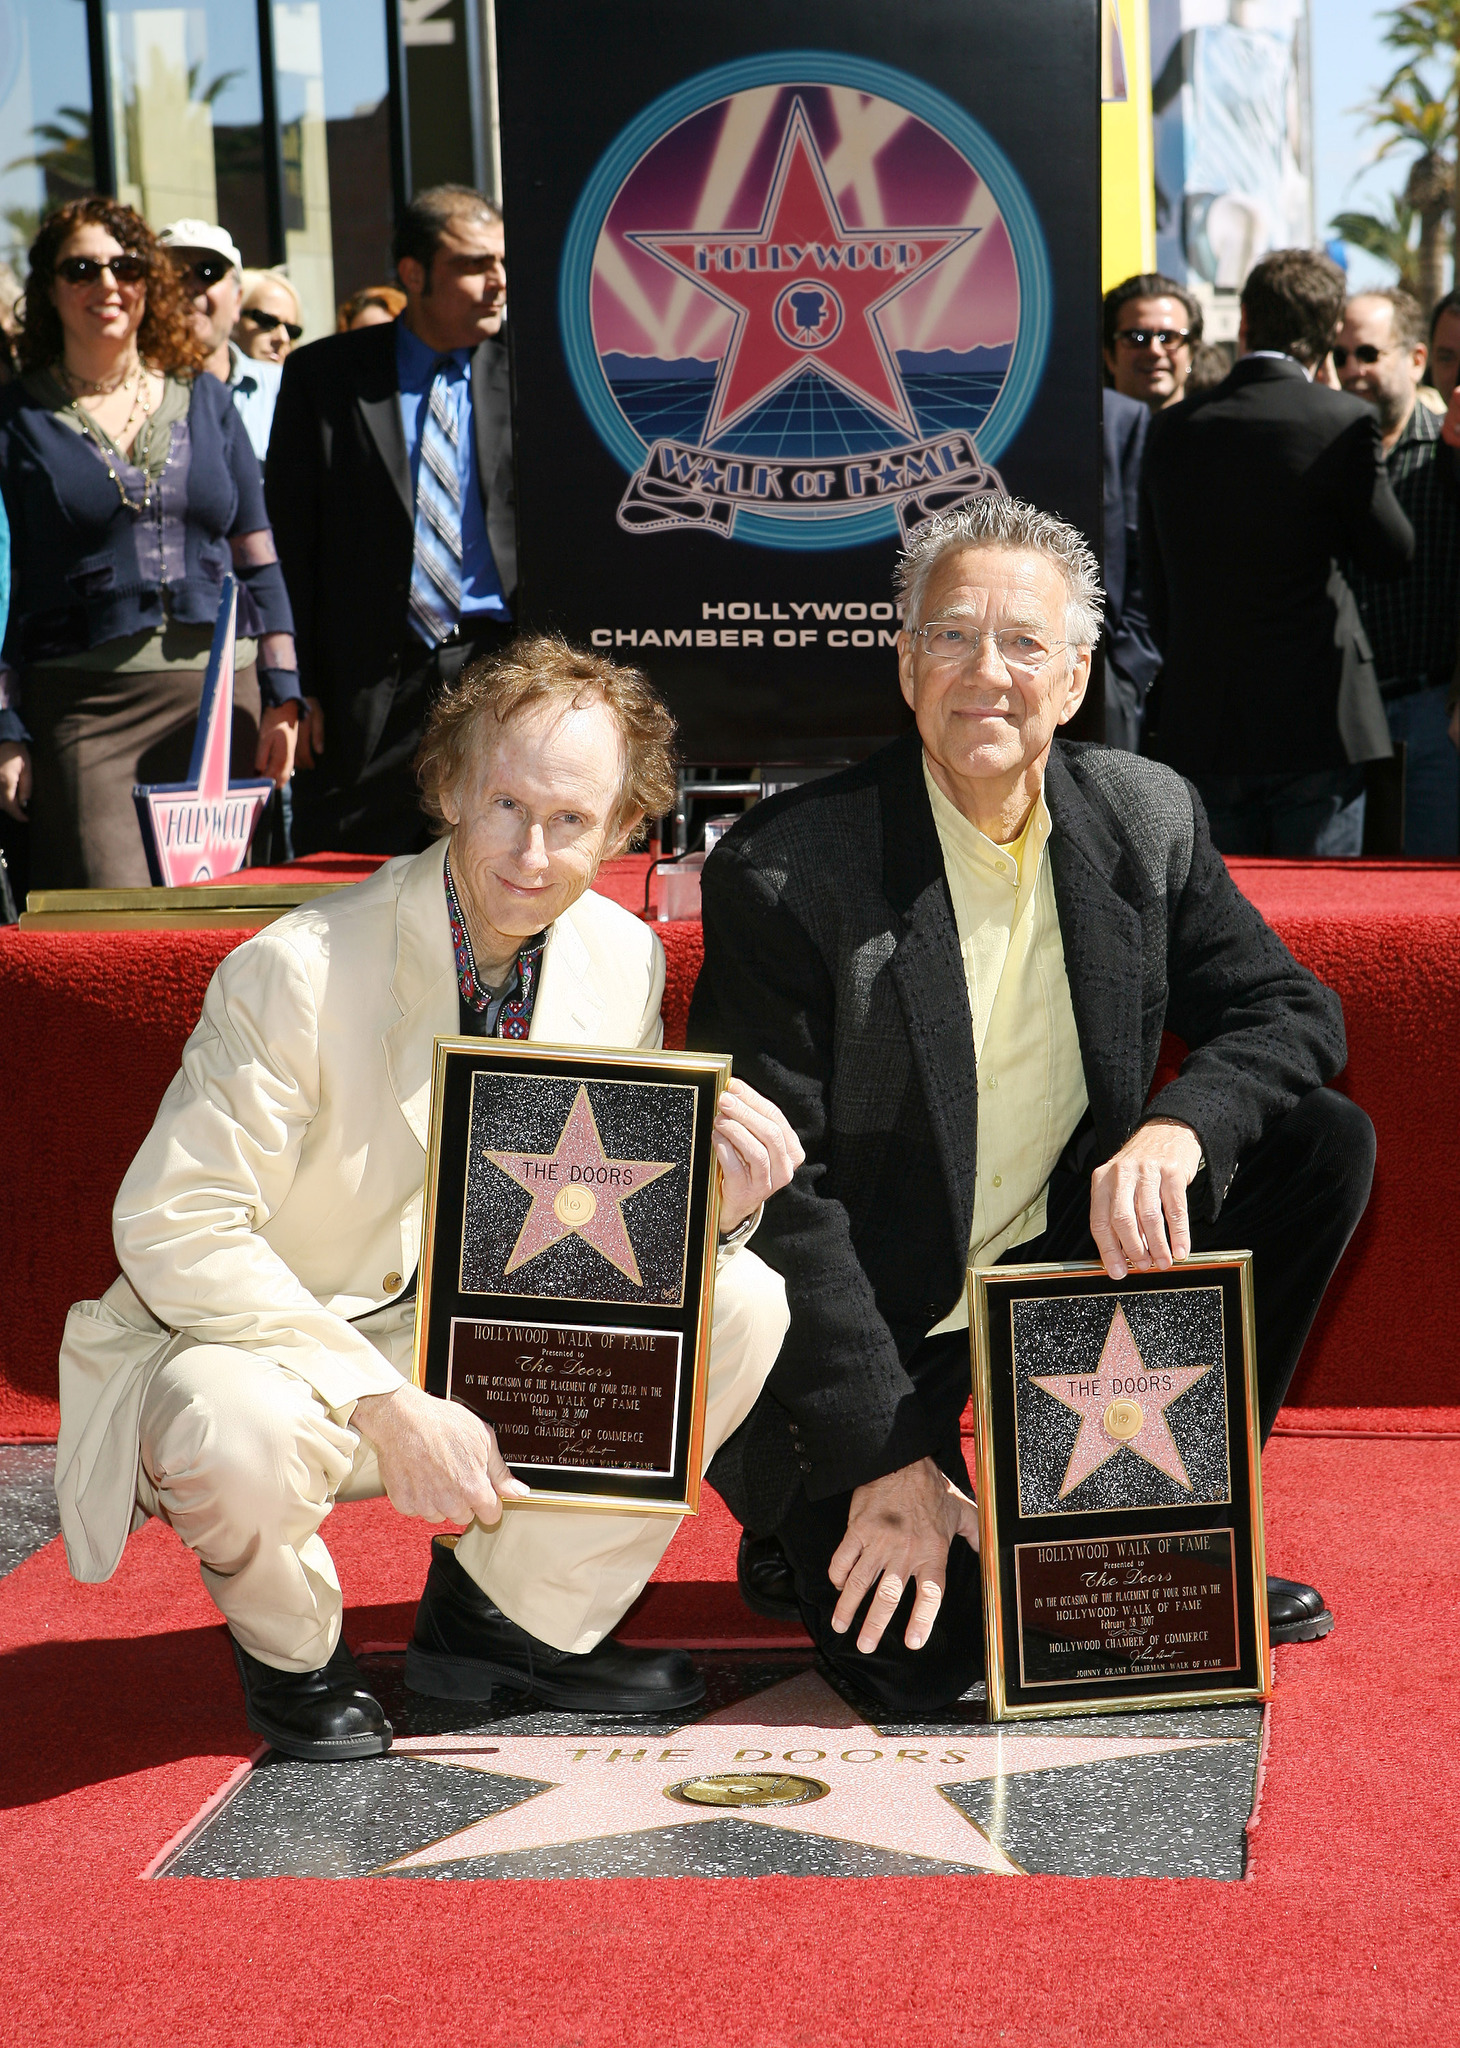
(200,830)
(805,287)
(577,1188)
(1121,1407)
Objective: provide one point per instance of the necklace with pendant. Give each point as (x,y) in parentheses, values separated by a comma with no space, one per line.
(141,401)
(99,387)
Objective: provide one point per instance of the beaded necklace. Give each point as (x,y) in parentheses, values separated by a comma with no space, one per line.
(142,401)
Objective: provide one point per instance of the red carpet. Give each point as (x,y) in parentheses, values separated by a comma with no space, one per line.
(92,1024)
(123,1718)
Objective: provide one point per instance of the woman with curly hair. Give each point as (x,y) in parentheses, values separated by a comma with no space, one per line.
(132,490)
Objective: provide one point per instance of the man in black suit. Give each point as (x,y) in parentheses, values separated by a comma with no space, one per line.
(390,489)
(1248,494)
(951,968)
(1132,658)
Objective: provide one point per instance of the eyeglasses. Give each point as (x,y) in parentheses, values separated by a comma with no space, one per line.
(206,271)
(267,322)
(1366,352)
(123,269)
(1022,650)
(1145,337)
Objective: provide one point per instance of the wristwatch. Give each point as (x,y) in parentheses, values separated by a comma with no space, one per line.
(732,1240)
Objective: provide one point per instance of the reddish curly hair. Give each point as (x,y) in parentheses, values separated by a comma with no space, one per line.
(165,340)
(542,668)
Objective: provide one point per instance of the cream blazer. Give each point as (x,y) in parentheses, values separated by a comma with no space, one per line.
(277,1199)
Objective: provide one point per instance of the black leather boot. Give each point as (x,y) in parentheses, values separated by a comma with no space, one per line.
(463,1646)
(324,1716)
(763,1573)
(1295,1613)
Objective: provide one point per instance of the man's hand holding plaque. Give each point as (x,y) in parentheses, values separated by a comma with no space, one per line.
(757,1150)
(437,1460)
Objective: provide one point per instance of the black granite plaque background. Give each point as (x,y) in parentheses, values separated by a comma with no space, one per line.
(636,1120)
(1064,1336)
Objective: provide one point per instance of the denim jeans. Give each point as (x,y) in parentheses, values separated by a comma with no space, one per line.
(1291,817)
(1431,774)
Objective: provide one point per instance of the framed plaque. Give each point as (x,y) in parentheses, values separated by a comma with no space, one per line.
(1119,1487)
(567,1269)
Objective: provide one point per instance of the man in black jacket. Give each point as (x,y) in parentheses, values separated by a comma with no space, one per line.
(951,968)
(1248,493)
(390,489)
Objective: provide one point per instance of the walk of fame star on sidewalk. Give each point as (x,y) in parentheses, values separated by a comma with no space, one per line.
(1121,1407)
(577,1187)
(883,1793)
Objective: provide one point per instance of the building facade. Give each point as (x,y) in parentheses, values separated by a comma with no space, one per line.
(299,125)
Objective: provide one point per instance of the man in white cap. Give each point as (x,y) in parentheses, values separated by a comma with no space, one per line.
(211,266)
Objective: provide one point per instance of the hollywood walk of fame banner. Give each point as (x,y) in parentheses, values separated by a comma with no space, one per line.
(567,1270)
(1119,1487)
(816,270)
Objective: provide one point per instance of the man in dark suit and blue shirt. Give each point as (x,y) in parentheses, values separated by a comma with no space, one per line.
(951,968)
(390,487)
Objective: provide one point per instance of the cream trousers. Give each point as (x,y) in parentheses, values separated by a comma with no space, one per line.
(244,1460)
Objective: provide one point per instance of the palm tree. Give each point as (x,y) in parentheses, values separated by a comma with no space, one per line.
(1418,119)
(1427,34)
(1392,240)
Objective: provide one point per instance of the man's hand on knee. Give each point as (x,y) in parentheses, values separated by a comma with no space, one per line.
(437,1460)
(899,1528)
(1138,1213)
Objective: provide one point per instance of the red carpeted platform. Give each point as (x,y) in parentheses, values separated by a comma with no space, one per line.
(91,1026)
(122,1716)
(122,1720)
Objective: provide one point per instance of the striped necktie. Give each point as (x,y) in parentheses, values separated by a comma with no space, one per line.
(435,606)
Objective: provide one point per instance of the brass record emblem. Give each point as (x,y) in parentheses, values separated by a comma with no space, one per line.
(1123,1419)
(575,1205)
(747,1788)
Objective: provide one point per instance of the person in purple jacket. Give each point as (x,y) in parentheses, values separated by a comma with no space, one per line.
(131,491)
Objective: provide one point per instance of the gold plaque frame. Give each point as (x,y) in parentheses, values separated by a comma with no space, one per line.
(1000,1525)
(709,1073)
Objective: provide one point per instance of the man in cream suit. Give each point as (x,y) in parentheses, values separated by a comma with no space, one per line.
(251,1365)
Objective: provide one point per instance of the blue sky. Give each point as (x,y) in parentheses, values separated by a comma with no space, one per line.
(1349,62)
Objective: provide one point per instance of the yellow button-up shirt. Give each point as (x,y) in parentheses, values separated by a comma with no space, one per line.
(1031,1079)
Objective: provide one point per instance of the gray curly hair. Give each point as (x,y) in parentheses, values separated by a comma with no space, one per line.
(1006,523)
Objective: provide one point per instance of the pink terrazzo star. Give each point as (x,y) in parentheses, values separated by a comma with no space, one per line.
(576,1187)
(884,1791)
(1121,1406)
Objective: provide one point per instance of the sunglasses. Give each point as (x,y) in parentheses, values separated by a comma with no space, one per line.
(206,271)
(267,322)
(125,269)
(1364,353)
(1142,337)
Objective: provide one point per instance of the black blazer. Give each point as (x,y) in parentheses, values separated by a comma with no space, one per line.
(339,494)
(1247,495)
(1127,640)
(832,975)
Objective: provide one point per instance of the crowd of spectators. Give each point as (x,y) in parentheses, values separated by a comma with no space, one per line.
(1282,556)
(1281,536)
(154,382)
